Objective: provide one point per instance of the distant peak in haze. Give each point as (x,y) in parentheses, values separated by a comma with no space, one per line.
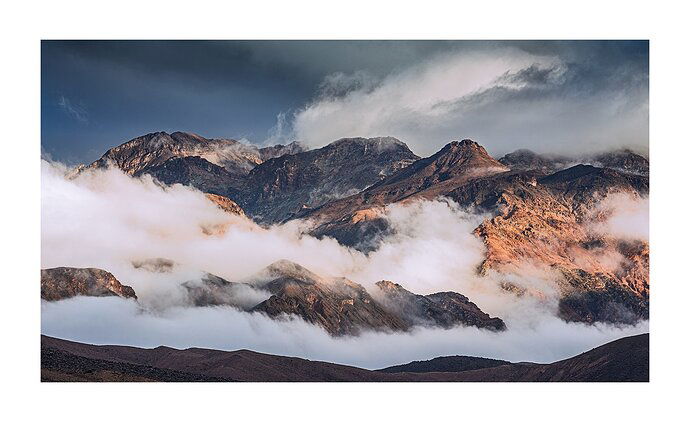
(624,160)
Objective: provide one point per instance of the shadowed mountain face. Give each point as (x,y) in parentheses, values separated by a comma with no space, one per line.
(282,187)
(529,160)
(456,363)
(272,183)
(216,166)
(626,359)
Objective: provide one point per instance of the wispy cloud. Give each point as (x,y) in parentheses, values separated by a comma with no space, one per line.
(75,111)
(500,97)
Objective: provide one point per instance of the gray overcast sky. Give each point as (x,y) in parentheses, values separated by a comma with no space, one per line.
(561,96)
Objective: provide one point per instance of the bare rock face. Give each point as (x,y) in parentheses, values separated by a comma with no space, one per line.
(545,222)
(139,154)
(340,306)
(273,151)
(282,187)
(66,282)
(444,309)
(343,307)
(454,165)
(199,173)
(216,166)
(271,184)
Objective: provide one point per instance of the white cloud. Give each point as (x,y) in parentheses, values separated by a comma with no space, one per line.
(488,96)
(623,216)
(106,219)
(118,321)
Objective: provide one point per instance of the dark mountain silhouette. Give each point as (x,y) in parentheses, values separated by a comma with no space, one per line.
(623,360)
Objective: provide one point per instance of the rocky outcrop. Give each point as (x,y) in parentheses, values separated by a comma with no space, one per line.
(199,173)
(212,290)
(226,204)
(340,306)
(273,151)
(141,153)
(60,283)
(344,307)
(444,309)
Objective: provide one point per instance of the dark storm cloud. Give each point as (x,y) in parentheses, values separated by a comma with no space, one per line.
(239,89)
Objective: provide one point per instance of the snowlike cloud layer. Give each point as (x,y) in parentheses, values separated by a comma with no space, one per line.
(108,220)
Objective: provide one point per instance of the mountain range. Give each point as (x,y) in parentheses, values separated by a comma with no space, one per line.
(338,305)
(541,207)
(540,212)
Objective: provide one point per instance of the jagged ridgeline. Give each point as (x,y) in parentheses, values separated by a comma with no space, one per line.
(340,306)
(540,209)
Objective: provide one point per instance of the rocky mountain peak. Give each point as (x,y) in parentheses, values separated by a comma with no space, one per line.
(524,159)
(278,150)
(378,143)
(289,269)
(187,137)
(390,287)
(463,149)
(466,143)
(624,160)
(463,158)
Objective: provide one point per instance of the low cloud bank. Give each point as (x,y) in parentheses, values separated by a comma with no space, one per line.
(108,220)
(118,321)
